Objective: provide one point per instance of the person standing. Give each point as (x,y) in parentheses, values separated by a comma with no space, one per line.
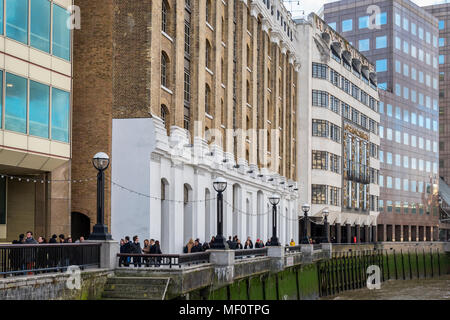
(136,249)
(53,239)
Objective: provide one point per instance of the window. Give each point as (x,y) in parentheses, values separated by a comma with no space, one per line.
(319,194)
(1,19)
(381,65)
(320,128)
(40,25)
(320,98)
(17,20)
(363,22)
(164,62)
(382,86)
(381,42)
(405,47)
(208,55)
(320,160)
(319,70)
(39,109)
(441,42)
(60,115)
(164,16)
(381,18)
(16,103)
(441,24)
(335,133)
(208,11)
(441,59)
(335,163)
(405,24)
(420,33)
(207,99)
(397,19)
(61,34)
(332,25)
(347,25)
(364,45)
(398,43)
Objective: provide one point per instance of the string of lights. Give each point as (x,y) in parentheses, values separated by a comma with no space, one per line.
(40,180)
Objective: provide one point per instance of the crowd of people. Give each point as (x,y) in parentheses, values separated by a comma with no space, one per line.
(234,243)
(29,239)
(151,246)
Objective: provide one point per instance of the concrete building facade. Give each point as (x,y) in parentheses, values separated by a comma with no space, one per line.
(401,39)
(178,93)
(35,117)
(338,129)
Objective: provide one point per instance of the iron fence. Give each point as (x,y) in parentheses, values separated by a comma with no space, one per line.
(157,260)
(22,259)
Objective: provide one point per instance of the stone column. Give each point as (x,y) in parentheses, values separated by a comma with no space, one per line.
(338,233)
(358,233)
(366,234)
(374,233)
(349,233)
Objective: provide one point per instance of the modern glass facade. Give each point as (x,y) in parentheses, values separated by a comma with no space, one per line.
(406,54)
(30,21)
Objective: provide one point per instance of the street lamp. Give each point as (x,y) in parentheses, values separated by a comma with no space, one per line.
(274,201)
(100,232)
(305,209)
(325,214)
(220,184)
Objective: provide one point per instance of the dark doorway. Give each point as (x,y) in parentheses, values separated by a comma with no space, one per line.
(81,226)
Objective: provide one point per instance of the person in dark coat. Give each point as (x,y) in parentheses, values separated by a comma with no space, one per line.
(229,242)
(53,239)
(205,246)
(197,246)
(248,243)
(238,245)
(136,249)
(61,238)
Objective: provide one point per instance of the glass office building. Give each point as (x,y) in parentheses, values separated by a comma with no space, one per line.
(402,41)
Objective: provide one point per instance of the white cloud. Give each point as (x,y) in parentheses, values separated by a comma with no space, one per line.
(314,5)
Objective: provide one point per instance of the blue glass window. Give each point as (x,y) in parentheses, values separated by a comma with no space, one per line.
(1,17)
(441,24)
(39,109)
(61,34)
(60,115)
(347,25)
(441,59)
(16,103)
(40,25)
(381,42)
(332,25)
(381,65)
(363,22)
(17,20)
(364,45)
(381,18)
(382,86)
(441,42)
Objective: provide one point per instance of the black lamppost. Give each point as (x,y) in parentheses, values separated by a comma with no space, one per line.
(274,201)
(100,232)
(305,209)
(325,214)
(220,184)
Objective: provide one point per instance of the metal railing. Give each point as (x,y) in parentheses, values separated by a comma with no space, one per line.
(250,253)
(293,249)
(22,259)
(158,260)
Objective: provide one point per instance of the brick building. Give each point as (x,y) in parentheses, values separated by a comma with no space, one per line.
(401,39)
(35,117)
(179,92)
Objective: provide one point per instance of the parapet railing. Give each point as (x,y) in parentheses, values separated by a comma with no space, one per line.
(157,260)
(250,253)
(23,259)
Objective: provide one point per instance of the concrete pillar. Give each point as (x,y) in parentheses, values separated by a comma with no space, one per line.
(349,233)
(367,234)
(358,233)
(374,234)
(338,233)
(223,261)
(108,253)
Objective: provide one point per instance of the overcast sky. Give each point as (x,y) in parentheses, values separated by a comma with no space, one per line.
(315,5)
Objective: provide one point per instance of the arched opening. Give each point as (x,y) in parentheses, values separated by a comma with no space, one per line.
(188,214)
(208,55)
(165,117)
(260,215)
(207,99)
(80,226)
(165,70)
(165,215)
(210,229)
(236,208)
